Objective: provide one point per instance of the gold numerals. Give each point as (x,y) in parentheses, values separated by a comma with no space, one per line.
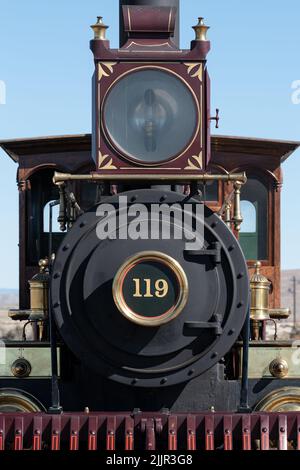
(161,288)
(150,288)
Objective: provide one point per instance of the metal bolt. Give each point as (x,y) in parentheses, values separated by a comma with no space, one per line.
(264,429)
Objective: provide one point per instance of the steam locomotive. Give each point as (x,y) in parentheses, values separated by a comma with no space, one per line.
(142,316)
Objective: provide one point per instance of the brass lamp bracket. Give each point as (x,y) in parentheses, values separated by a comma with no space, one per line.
(239,178)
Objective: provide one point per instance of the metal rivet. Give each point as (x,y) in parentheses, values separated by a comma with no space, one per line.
(214,224)
(133,198)
(82,224)
(134,381)
(282,429)
(215,354)
(209,432)
(56,305)
(163,198)
(264,430)
(18,431)
(56,432)
(240,275)
(246,430)
(66,247)
(92,433)
(230,332)
(57,275)
(240,304)
(227,431)
(37,431)
(231,248)
(74,433)
(191,371)
(163,381)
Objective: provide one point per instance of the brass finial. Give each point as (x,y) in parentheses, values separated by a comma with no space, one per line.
(43,264)
(257,267)
(99,29)
(200,30)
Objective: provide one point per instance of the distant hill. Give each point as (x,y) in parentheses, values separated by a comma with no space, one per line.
(9,298)
(286,284)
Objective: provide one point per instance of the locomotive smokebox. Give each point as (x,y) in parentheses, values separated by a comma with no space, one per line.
(158,3)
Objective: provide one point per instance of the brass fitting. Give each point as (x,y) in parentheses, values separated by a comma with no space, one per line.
(260,287)
(99,29)
(200,30)
(39,286)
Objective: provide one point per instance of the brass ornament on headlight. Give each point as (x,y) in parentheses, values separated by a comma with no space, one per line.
(281,400)
(150,288)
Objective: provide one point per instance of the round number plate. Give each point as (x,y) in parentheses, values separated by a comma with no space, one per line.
(150,288)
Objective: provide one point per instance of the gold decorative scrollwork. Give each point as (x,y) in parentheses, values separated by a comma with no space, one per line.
(105,166)
(105,69)
(195,162)
(195,70)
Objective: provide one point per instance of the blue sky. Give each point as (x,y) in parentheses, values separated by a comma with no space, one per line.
(46,65)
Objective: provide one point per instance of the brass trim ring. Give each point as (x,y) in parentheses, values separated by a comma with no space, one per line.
(168,261)
(281,400)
